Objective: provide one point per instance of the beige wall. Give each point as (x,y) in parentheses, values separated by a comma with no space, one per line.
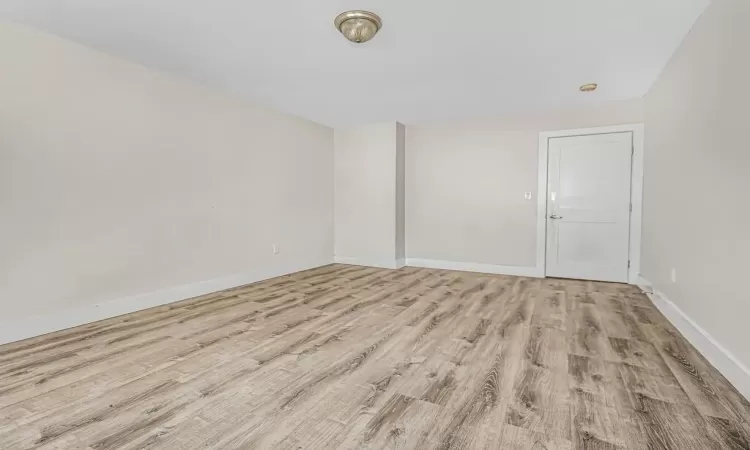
(400,191)
(365,194)
(465,183)
(116,180)
(696,186)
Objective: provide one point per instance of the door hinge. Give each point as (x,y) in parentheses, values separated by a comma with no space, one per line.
(628,264)
(631,207)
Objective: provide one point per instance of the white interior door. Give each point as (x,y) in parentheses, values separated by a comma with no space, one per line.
(588,206)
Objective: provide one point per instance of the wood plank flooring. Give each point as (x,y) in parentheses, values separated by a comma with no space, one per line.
(346,357)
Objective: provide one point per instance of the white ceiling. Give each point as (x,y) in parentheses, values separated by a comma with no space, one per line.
(433,59)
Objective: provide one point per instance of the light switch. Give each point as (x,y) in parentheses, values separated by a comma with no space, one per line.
(527,196)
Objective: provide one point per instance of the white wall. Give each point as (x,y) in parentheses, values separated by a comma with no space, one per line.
(696,216)
(366,190)
(465,183)
(116,180)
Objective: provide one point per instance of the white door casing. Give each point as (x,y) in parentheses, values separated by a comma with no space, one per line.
(588,206)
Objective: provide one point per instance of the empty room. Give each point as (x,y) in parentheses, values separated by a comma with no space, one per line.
(340,224)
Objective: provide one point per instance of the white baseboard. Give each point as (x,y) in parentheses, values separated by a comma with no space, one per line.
(725,362)
(520,271)
(383,264)
(26,327)
(643,283)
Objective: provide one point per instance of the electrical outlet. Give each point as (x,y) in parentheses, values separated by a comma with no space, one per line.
(527,195)
(673,275)
(275,249)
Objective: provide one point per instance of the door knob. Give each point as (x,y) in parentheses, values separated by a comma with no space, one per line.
(554,216)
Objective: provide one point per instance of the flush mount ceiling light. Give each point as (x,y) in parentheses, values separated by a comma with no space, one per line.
(358,26)
(591,87)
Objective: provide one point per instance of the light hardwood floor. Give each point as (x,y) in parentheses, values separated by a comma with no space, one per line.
(362,358)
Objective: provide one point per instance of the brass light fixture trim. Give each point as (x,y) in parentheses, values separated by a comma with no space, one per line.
(358,26)
(590,87)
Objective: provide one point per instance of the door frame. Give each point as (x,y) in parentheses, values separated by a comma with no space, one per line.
(636,193)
